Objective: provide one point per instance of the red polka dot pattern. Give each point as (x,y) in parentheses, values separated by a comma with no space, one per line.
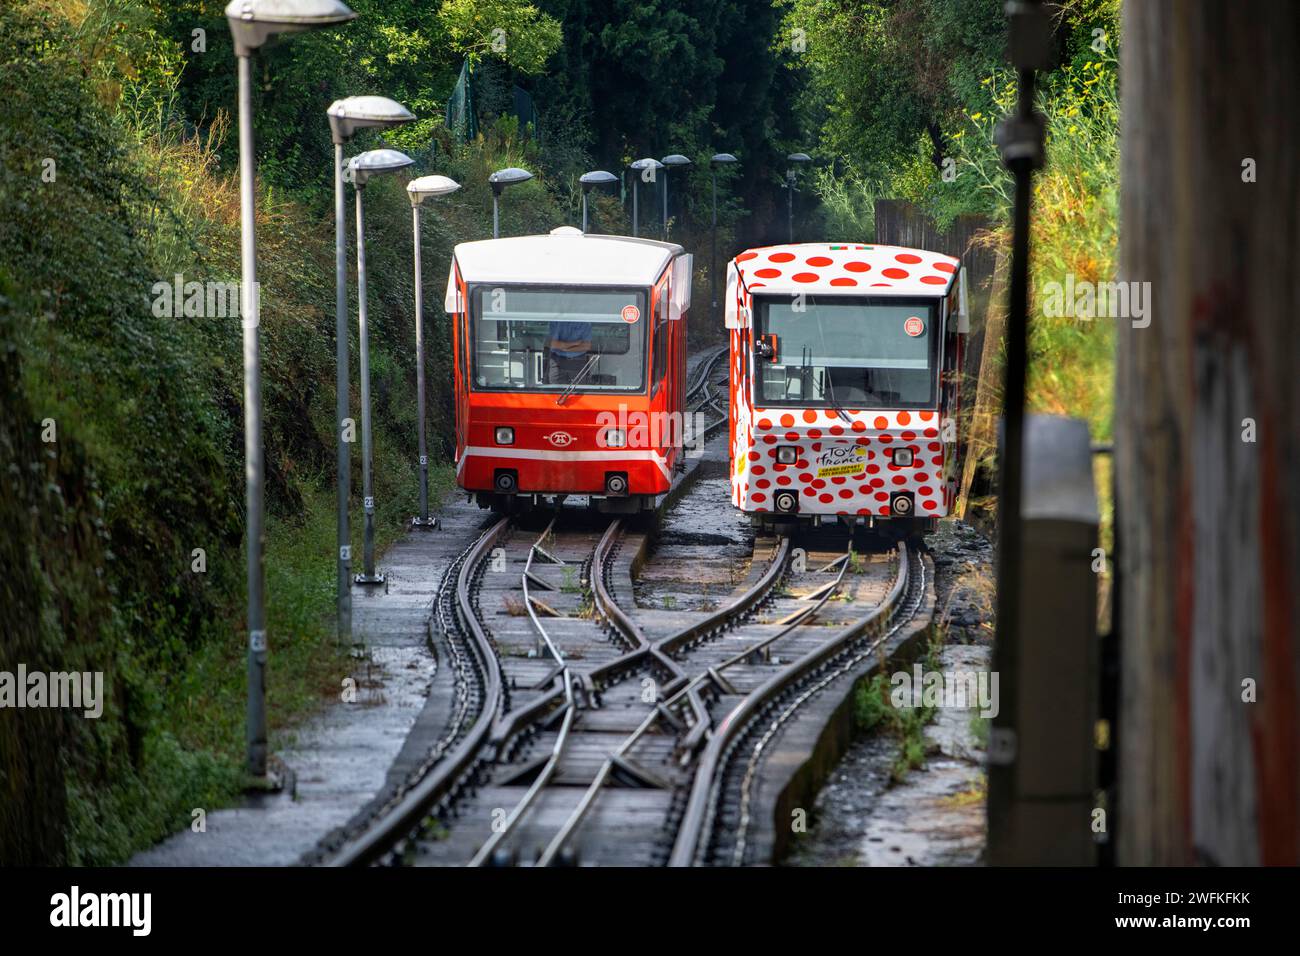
(813,431)
(813,265)
(756,475)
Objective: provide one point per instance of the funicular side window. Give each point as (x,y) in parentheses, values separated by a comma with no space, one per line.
(660,363)
(539,338)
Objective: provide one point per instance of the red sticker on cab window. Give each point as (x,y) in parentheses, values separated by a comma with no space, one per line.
(630,314)
(914,326)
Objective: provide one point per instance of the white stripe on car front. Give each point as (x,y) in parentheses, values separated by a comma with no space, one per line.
(539,454)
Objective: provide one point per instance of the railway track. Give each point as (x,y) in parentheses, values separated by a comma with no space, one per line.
(596,728)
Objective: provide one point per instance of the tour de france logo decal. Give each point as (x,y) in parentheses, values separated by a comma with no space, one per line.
(841,461)
(630,314)
(914,326)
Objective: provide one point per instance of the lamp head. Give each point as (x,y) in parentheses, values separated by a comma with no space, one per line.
(597,177)
(426,186)
(676,159)
(355,112)
(253,22)
(374,162)
(508,177)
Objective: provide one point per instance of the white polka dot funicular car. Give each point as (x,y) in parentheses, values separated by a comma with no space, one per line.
(845,384)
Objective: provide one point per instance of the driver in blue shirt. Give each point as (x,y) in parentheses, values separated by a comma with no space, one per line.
(570,351)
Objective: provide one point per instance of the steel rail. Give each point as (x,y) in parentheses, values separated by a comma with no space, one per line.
(570,711)
(701,383)
(703,371)
(492,727)
(543,778)
(788,624)
(370,845)
(700,804)
(718,620)
(751,769)
(688,693)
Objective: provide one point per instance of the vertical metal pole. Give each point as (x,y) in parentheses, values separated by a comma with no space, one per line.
(635,211)
(789,183)
(665,230)
(423,520)
(1020,140)
(368,575)
(250,313)
(584,212)
(341,386)
(713,253)
(496,217)
(1009,477)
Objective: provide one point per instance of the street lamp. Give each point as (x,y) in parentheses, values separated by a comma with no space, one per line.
(676,159)
(252,23)
(419,190)
(795,160)
(718,159)
(641,165)
(500,180)
(346,116)
(359,170)
(597,177)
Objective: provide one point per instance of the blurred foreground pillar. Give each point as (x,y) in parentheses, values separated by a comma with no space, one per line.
(1208,434)
(1042,756)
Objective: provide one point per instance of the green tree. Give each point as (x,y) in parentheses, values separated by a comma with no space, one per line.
(517,33)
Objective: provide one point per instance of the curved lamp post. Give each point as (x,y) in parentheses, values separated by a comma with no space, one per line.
(641,165)
(252,23)
(796,160)
(718,159)
(597,177)
(670,162)
(419,190)
(500,180)
(346,116)
(359,170)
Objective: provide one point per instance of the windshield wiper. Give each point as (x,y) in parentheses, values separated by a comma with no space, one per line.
(830,388)
(577,378)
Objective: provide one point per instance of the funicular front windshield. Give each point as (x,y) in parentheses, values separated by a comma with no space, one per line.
(542,339)
(847,352)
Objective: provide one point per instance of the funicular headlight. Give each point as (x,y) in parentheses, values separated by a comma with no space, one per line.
(786,454)
(505,435)
(903,457)
(615,438)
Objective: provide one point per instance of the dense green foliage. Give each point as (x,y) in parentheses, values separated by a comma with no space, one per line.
(902,98)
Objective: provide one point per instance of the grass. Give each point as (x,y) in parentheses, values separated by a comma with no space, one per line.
(196,757)
(569,580)
(874,711)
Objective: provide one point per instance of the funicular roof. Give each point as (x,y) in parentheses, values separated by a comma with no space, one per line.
(846,269)
(565,257)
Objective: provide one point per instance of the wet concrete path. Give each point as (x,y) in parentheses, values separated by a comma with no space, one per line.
(350,753)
